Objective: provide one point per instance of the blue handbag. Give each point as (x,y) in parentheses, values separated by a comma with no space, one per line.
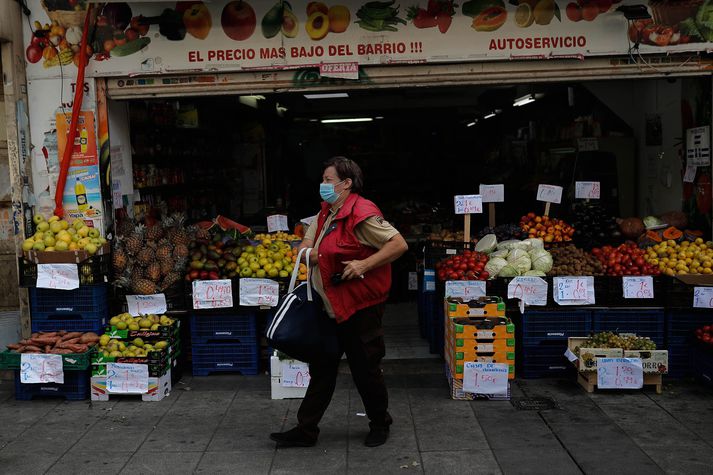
(299,325)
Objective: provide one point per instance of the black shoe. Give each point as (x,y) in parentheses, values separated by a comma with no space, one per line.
(293,438)
(377,436)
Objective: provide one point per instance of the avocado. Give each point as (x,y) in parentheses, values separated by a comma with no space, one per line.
(474,7)
(272,21)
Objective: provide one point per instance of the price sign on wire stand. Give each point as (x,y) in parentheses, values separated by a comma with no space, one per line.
(485,378)
(620,373)
(212,294)
(574,290)
(467,205)
(38,368)
(492,194)
(703,297)
(277,222)
(57,276)
(146,304)
(549,194)
(587,190)
(295,374)
(259,292)
(127,378)
(638,287)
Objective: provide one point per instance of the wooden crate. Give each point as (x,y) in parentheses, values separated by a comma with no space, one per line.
(588,380)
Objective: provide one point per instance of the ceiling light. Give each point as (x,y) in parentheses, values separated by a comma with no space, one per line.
(332,95)
(352,119)
(471,124)
(524,100)
(492,114)
(378,117)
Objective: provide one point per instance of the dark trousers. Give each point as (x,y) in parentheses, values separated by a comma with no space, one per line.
(362,339)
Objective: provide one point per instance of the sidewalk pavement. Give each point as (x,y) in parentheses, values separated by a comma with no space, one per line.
(220,424)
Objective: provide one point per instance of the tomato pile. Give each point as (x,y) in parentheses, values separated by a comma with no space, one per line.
(626,259)
(705,334)
(467,266)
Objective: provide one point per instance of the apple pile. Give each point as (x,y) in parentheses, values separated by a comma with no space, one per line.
(705,334)
(56,234)
(470,265)
(626,259)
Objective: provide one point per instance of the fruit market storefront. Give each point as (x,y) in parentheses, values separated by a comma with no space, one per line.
(169,79)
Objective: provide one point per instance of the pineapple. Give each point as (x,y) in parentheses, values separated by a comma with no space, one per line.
(180,251)
(171,279)
(177,234)
(164,251)
(153,271)
(125,228)
(154,233)
(146,256)
(119,260)
(143,287)
(202,234)
(134,242)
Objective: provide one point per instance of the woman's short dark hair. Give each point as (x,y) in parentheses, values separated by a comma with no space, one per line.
(347,168)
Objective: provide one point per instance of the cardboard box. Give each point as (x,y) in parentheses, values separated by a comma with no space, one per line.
(457,367)
(496,357)
(483,307)
(481,328)
(458,394)
(64,257)
(159,388)
(701,280)
(479,346)
(653,361)
(277,391)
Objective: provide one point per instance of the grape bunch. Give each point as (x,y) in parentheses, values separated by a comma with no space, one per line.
(614,340)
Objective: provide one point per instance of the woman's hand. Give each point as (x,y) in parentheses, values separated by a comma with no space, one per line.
(354,269)
(313,258)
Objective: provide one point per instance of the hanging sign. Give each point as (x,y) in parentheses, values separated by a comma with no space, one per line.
(620,373)
(127,378)
(638,287)
(587,190)
(703,297)
(549,193)
(57,276)
(698,146)
(492,193)
(38,368)
(429,280)
(212,294)
(485,378)
(146,304)
(259,292)
(465,289)
(468,204)
(690,174)
(531,290)
(277,222)
(295,374)
(574,290)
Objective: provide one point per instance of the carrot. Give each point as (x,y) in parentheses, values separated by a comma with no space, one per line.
(33,349)
(89,337)
(77,348)
(42,341)
(71,335)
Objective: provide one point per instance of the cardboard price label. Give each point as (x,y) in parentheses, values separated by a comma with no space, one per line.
(698,146)
(549,193)
(38,368)
(429,280)
(277,222)
(127,378)
(638,287)
(485,378)
(468,204)
(703,297)
(492,193)
(212,294)
(259,292)
(57,276)
(146,304)
(620,373)
(295,374)
(574,290)
(465,289)
(531,290)
(587,190)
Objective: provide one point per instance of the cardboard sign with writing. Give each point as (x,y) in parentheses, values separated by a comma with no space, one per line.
(587,190)
(57,276)
(429,280)
(574,290)
(492,193)
(465,289)
(703,297)
(259,292)
(549,193)
(698,146)
(127,378)
(277,222)
(531,290)
(638,287)
(468,204)
(212,294)
(146,304)
(38,368)
(620,373)
(485,378)
(295,374)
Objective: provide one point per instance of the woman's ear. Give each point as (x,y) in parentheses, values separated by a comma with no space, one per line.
(348,183)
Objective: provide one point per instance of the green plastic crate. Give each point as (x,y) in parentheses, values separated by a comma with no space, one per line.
(72,362)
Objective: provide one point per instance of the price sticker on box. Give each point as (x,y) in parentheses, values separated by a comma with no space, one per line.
(531,290)
(549,193)
(259,292)
(492,193)
(38,368)
(57,276)
(212,294)
(620,373)
(468,204)
(295,374)
(587,190)
(146,304)
(574,290)
(638,287)
(277,222)
(703,297)
(465,289)
(127,378)
(485,378)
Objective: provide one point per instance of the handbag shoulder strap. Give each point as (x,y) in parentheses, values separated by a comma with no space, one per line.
(296,270)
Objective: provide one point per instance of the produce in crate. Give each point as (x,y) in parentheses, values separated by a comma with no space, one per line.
(514,258)
(594,226)
(58,343)
(625,259)
(547,228)
(614,340)
(125,321)
(674,258)
(278,236)
(55,234)
(113,348)
(705,334)
(570,260)
(469,265)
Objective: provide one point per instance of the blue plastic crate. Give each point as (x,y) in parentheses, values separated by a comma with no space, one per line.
(225,357)
(206,327)
(545,361)
(682,323)
(643,322)
(75,387)
(82,309)
(541,325)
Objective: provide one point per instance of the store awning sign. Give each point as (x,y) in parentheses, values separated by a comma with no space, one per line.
(587,190)
(698,146)
(39,368)
(492,193)
(340,70)
(468,204)
(620,373)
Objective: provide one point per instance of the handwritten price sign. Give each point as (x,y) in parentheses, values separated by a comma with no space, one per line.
(295,375)
(485,378)
(587,190)
(259,292)
(620,373)
(492,193)
(146,304)
(36,368)
(531,290)
(57,276)
(127,378)
(574,290)
(549,193)
(277,222)
(465,289)
(212,294)
(703,297)
(638,287)
(468,204)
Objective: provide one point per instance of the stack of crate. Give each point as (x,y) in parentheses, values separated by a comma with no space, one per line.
(477,331)
(224,343)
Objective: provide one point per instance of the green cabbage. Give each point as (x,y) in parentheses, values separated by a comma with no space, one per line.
(535,243)
(494,266)
(487,244)
(520,260)
(535,273)
(541,260)
(502,253)
(509,271)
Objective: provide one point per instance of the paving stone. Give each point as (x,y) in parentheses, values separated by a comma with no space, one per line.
(177,436)
(21,462)
(112,432)
(242,437)
(476,461)
(104,462)
(384,461)
(520,459)
(312,460)
(55,441)
(518,429)
(248,463)
(160,462)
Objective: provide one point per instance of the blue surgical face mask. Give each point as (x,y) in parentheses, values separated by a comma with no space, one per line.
(326,191)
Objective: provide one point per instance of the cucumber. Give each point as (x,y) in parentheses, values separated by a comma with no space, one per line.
(131,47)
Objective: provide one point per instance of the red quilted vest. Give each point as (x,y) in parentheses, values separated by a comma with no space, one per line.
(341,244)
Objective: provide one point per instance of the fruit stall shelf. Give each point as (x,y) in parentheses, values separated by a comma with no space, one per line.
(10,360)
(225,357)
(75,387)
(94,270)
(206,327)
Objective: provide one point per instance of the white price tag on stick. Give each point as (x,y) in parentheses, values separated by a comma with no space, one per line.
(127,378)
(259,292)
(146,304)
(468,204)
(485,378)
(587,190)
(531,290)
(492,193)
(212,294)
(465,289)
(574,290)
(57,276)
(277,222)
(295,374)
(549,193)
(703,297)
(620,373)
(638,287)
(38,368)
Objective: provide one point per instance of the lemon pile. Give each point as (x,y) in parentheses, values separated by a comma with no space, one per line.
(113,348)
(56,234)
(125,321)
(278,236)
(682,258)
